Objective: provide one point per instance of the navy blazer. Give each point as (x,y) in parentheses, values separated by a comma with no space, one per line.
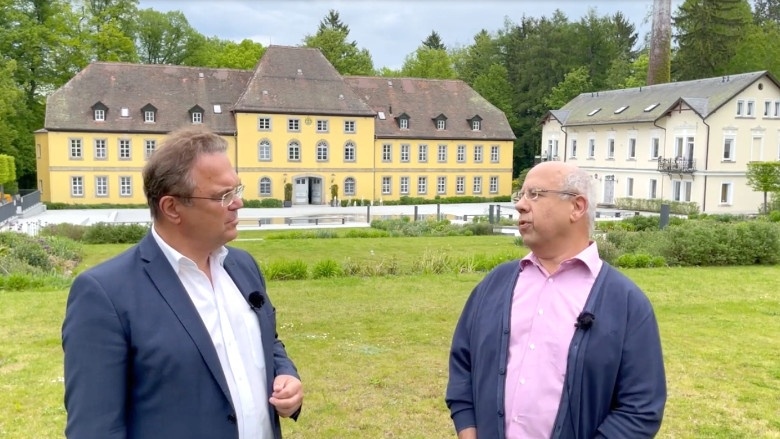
(139,363)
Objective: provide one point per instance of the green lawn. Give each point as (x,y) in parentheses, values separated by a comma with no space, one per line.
(372,352)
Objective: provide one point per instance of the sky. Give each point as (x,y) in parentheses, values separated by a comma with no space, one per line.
(390,30)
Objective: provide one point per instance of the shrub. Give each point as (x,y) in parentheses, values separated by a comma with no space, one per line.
(286,270)
(264,203)
(774,216)
(607,250)
(717,243)
(326,268)
(104,233)
(71,231)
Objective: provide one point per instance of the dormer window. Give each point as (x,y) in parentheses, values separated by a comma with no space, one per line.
(150,113)
(475,123)
(594,111)
(403,121)
(124,112)
(621,109)
(441,122)
(100,115)
(99,111)
(196,114)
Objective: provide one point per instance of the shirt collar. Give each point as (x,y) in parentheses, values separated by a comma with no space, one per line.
(589,257)
(178,260)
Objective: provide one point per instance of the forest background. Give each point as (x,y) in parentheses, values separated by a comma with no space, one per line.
(524,68)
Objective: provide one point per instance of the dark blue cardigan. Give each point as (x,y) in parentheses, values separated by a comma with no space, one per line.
(615,384)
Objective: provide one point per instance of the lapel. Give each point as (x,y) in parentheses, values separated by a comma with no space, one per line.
(172,291)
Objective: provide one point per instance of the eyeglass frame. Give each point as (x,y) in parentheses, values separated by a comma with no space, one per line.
(234,194)
(517,196)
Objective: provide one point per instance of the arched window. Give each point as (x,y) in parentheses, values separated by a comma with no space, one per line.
(349,152)
(349,186)
(322,151)
(265,187)
(294,151)
(264,151)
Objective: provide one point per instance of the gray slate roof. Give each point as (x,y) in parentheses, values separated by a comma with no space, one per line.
(299,80)
(705,96)
(425,99)
(173,90)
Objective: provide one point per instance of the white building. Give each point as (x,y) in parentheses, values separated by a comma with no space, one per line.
(683,141)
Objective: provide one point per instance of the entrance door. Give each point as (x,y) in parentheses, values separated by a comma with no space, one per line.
(609,189)
(316,190)
(301,191)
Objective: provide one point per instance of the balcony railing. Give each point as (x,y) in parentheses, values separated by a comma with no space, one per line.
(678,165)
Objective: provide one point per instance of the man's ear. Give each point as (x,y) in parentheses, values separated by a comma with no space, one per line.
(579,209)
(169,209)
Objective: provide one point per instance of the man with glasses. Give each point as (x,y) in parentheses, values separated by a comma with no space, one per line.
(176,337)
(558,344)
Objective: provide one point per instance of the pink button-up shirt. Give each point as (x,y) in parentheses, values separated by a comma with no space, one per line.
(544,309)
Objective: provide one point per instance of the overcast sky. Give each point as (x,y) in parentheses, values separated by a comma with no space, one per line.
(390,30)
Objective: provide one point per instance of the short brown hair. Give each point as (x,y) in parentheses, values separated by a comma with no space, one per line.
(168,171)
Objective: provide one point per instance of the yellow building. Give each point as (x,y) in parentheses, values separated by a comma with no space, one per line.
(293,119)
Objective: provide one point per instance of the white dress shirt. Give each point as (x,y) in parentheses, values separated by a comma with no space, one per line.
(235,332)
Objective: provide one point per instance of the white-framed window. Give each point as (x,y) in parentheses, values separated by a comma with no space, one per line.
(422,153)
(552,149)
(350,152)
(442,155)
(767,108)
(494,154)
(322,126)
(422,185)
(125,186)
(125,151)
(404,186)
(655,148)
(263,123)
(294,125)
(729,142)
(746,108)
(629,186)
(591,148)
(264,150)
(349,186)
(460,184)
(632,148)
(293,151)
(573,149)
(681,190)
(265,187)
(148,116)
(149,147)
(477,186)
(776,112)
(441,124)
(100,115)
(740,107)
(101,152)
(405,152)
(476,125)
(387,152)
(493,185)
(197,117)
(726,193)
(403,123)
(461,154)
(75,149)
(751,108)
(441,185)
(387,184)
(76,186)
(652,191)
(101,186)
(610,149)
(477,153)
(349,126)
(322,152)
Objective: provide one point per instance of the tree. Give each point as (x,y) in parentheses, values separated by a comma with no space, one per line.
(494,86)
(215,52)
(111,29)
(165,38)
(471,61)
(659,68)
(766,11)
(709,33)
(428,63)
(10,96)
(7,172)
(574,83)
(434,42)
(764,177)
(331,39)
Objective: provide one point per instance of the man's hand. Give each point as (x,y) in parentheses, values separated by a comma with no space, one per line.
(468,433)
(287,395)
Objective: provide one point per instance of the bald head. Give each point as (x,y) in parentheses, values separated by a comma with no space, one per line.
(570,178)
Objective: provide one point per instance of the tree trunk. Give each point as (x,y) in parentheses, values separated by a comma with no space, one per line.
(659,67)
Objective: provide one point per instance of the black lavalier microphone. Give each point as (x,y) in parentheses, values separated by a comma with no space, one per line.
(256,300)
(584,320)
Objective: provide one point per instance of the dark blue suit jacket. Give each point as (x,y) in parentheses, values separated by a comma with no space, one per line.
(139,363)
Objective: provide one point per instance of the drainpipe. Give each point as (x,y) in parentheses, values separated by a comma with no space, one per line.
(565,141)
(655,124)
(706,165)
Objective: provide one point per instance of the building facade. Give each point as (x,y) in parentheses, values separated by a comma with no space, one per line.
(293,119)
(685,141)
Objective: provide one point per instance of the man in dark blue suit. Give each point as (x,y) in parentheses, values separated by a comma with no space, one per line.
(176,337)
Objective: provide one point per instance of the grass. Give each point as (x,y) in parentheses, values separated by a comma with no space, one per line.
(372,352)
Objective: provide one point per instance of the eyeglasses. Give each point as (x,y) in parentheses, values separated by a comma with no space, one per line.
(533,194)
(227,198)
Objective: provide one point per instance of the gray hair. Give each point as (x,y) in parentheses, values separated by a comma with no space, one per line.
(168,171)
(578,181)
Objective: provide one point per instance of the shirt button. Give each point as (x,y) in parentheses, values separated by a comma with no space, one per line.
(549,280)
(533,346)
(522,380)
(541,311)
(501,371)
